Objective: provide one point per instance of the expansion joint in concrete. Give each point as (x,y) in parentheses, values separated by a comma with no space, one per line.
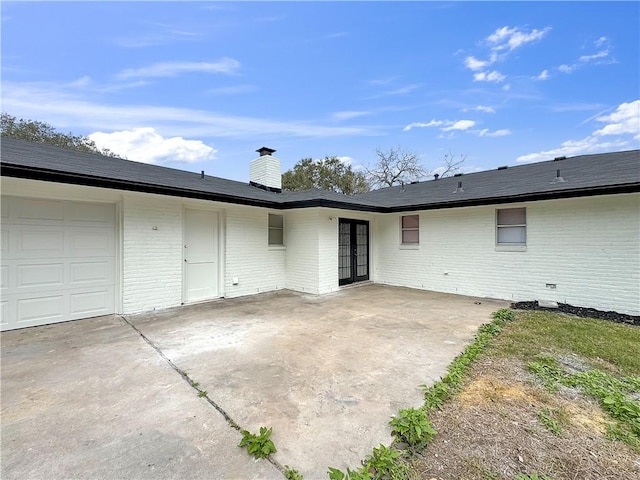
(196,386)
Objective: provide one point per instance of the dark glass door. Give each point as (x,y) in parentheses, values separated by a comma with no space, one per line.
(353,251)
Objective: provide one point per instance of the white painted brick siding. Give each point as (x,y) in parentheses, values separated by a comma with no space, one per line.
(151,259)
(588,247)
(258,267)
(302,260)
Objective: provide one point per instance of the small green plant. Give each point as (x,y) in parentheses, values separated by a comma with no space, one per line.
(550,419)
(195,384)
(260,446)
(548,370)
(203,393)
(335,474)
(504,315)
(531,476)
(383,463)
(292,474)
(412,427)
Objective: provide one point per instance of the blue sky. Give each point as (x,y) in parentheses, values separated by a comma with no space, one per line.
(201,86)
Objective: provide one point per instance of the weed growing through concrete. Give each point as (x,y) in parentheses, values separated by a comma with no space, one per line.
(202,393)
(292,474)
(412,427)
(260,446)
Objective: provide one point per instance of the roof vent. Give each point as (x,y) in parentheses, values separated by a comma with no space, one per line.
(413,183)
(558,178)
(458,175)
(202,174)
(436,176)
(564,157)
(459,189)
(504,167)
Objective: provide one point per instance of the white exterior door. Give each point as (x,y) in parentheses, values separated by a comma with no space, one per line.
(200,256)
(58,261)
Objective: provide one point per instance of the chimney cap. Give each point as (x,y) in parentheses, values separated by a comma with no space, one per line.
(265,151)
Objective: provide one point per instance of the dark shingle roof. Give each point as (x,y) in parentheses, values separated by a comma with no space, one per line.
(584,175)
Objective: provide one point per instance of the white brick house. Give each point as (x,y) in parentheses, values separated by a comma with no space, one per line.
(84,235)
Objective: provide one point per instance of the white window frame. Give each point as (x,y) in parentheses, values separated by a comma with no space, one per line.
(511,246)
(409,229)
(271,228)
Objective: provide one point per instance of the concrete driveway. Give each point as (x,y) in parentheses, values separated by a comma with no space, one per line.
(93,399)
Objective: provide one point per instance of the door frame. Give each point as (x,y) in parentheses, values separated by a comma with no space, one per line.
(353,222)
(220,256)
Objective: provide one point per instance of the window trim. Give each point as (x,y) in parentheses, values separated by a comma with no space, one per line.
(270,228)
(409,245)
(511,246)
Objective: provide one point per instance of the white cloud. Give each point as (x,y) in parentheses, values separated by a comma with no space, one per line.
(473,63)
(173,69)
(485,132)
(544,75)
(625,120)
(459,125)
(480,108)
(623,125)
(345,159)
(507,38)
(65,108)
(348,115)
(493,76)
(146,145)
(432,123)
(600,57)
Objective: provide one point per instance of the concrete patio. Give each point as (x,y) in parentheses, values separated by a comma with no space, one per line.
(92,399)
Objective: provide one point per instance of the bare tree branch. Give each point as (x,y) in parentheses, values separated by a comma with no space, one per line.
(395,167)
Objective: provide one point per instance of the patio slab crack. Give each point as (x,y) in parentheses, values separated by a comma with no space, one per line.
(196,386)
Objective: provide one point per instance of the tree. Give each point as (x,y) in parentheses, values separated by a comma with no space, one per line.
(395,167)
(41,132)
(330,173)
(398,166)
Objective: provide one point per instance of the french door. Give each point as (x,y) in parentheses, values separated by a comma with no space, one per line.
(353,251)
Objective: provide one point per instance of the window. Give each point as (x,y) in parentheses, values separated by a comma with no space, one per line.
(511,226)
(410,229)
(276,229)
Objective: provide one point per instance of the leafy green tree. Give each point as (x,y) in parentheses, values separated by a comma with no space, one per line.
(41,132)
(330,173)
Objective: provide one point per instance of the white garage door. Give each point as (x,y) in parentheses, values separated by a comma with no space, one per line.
(58,261)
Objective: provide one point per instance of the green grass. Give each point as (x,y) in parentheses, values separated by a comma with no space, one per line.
(594,340)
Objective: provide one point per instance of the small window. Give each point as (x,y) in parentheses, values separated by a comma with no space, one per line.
(276,229)
(410,229)
(511,226)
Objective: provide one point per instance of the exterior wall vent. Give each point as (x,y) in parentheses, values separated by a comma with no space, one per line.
(266,171)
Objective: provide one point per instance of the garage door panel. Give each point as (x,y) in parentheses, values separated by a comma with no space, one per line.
(91,214)
(91,303)
(5,314)
(40,209)
(90,244)
(4,209)
(40,242)
(4,241)
(99,271)
(40,310)
(40,275)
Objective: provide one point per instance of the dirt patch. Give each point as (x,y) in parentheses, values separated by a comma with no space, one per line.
(491,430)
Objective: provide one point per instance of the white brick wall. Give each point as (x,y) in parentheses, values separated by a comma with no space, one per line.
(258,267)
(588,247)
(151,259)
(302,261)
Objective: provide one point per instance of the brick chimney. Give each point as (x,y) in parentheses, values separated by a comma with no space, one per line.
(266,171)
